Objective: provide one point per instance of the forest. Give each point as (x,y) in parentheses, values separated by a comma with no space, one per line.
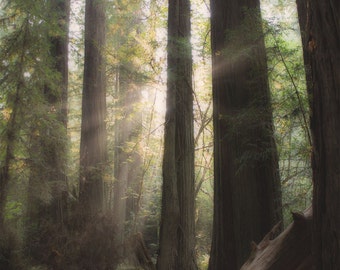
(169,135)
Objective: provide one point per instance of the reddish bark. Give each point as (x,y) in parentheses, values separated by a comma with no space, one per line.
(319,23)
(247,195)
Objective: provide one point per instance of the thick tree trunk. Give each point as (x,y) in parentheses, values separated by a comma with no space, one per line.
(319,22)
(93,129)
(291,250)
(247,198)
(177,235)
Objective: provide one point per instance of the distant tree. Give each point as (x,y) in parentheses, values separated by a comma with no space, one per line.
(59,51)
(49,145)
(15,46)
(16,57)
(128,76)
(320,26)
(177,233)
(93,129)
(247,194)
(9,138)
(128,161)
(47,189)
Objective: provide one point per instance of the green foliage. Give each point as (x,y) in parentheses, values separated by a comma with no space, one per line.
(14,210)
(27,70)
(291,116)
(204,174)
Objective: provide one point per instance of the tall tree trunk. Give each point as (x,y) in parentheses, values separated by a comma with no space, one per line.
(51,142)
(127,113)
(127,159)
(247,195)
(93,129)
(47,189)
(59,51)
(320,25)
(9,141)
(121,167)
(58,101)
(177,235)
(11,132)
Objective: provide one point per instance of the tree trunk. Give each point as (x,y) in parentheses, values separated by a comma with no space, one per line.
(319,22)
(127,159)
(177,235)
(60,52)
(93,130)
(57,102)
(47,189)
(127,114)
(247,195)
(137,252)
(10,134)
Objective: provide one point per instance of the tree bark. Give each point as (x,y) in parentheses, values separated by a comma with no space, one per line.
(93,129)
(247,195)
(177,235)
(319,22)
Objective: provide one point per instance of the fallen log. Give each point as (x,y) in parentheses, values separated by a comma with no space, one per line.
(290,250)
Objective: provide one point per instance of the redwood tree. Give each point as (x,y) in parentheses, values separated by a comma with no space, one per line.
(127,167)
(47,187)
(49,145)
(247,196)
(128,79)
(320,25)
(177,235)
(93,130)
